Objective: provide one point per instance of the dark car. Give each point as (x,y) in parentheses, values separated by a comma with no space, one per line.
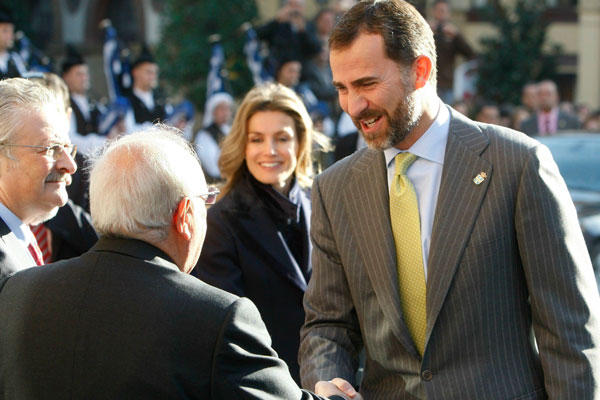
(578,158)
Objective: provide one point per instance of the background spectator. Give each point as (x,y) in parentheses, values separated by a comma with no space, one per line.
(449,44)
(146,107)
(217,117)
(592,123)
(529,97)
(86,114)
(548,119)
(11,64)
(488,113)
(287,36)
(519,114)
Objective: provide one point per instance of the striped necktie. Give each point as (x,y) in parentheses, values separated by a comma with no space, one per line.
(404,215)
(43,238)
(36,253)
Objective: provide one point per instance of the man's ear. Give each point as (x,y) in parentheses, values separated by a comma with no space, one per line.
(422,66)
(183,217)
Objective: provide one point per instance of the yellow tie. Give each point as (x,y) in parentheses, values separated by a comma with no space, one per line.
(404,213)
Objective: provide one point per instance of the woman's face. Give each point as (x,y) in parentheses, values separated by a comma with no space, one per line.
(272,148)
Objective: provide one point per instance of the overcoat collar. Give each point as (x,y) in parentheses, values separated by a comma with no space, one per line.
(136,249)
(256,225)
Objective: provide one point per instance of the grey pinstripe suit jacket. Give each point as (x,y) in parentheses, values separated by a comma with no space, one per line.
(507,263)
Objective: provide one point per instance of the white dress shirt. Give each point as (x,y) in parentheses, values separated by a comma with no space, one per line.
(426,172)
(146,97)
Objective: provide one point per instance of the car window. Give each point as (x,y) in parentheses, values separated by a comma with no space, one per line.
(578,159)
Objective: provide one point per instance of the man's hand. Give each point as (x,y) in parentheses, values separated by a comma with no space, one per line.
(337,386)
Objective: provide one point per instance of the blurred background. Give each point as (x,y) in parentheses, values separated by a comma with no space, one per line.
(178,31)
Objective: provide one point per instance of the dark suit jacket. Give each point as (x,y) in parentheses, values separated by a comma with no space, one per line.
(507,263)
(78,190)
(86,126)
(345,145)
(122,322)
(143,114)
(565,121)
(244,254)
(72,232)
(13,255)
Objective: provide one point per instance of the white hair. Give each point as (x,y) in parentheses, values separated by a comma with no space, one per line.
(137,181)
(18,98)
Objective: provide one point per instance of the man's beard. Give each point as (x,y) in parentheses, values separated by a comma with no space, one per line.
(405,118)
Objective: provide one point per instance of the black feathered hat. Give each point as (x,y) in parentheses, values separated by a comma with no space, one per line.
(6,16)
(72,59)
(145,56)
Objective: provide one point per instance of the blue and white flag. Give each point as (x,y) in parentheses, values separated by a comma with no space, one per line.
(116,68)
(254,58)
(215,81)
(216,85)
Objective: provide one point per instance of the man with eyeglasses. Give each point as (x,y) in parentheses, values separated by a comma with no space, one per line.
(36,164)
(126,320)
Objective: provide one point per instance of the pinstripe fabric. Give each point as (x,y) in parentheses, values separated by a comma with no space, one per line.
(507,262)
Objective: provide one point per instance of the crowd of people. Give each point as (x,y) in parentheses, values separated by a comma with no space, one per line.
(441,258)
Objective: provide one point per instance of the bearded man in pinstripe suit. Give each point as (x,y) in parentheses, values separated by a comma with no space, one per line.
(512,306)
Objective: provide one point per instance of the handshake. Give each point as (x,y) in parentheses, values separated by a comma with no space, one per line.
(337,388)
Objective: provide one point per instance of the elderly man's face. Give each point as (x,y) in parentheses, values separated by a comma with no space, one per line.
(33,184)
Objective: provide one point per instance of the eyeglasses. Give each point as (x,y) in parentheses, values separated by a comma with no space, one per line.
(54,151)
(210,197)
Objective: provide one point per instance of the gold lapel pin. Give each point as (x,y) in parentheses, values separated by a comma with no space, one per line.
(479,178)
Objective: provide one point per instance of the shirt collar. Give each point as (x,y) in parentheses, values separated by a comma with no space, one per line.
(79,98)
(82,103)
(4,60)
(431,145)
(146,97)
(21,231)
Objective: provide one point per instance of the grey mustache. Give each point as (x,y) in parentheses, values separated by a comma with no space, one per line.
(58,177)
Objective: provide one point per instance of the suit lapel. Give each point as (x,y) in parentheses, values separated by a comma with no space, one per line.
(368,204)
(15,250)
(458,205)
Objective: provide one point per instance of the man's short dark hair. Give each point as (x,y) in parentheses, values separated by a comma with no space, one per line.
(405,32)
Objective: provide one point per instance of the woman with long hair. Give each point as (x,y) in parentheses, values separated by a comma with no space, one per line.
(257,242)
